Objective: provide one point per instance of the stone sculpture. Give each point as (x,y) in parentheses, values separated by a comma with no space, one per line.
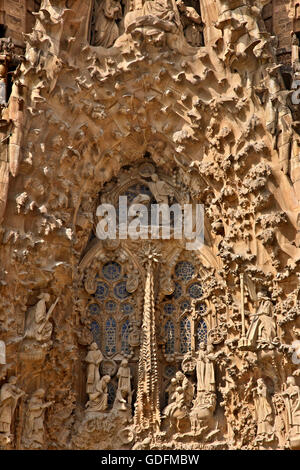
(292,402)
(264,413)
(192,24)
(262,330)
(123,398)
(34,419)
(98,399)
(93,358)
(106,28)
(161,101)
(9,397)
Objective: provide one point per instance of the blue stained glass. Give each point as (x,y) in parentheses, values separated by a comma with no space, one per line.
(127,309)
(120,290)
(185,335)
(169,309)
(195,290)
(110,336)
(201,333)
(124,341)
(170,334)
(184,271)
(111,393)
(185,305)
(178,291)
(110,306)
(111,271)
(101,291)
(96,332)
(94,309)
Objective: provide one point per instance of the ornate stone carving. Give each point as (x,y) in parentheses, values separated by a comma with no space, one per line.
(112,98)
(262,331)
(191,23)
(105,28)
(38,328)
(93,358)
(292,402)
(98,399)
(123,398)
(264,413)
(33,435)
(9,397)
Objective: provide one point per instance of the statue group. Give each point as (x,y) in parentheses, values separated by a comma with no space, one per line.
(184,404)
(33,432)
(97,387)
(108,20)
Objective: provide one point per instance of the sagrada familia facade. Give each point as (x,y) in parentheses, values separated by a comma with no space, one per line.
(123,343)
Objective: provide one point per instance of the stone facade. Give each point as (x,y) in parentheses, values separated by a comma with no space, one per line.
(142,343)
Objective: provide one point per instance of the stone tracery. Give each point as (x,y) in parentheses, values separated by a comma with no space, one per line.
(153,116)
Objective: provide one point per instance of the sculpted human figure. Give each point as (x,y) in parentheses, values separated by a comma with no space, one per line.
(106,28)
(124,393)
(37,325)
(98,400)
(191,23)
(176,409)
(264,413)
(160,189)
(153,19)
(93,358)
(262,330)
(171,389)
(34,418)
(9,396)
(187,387)
(292,402)
(205,370)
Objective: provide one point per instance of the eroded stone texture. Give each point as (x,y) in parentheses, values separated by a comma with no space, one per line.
(143,344)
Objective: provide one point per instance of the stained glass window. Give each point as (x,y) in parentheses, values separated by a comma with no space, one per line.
(185,335)
(120,290)
(101,291)
(184,271)
(94,309)
(170,337)
(110,336)
(96,332)
(177,291)
(169,308)
(185,305)
(201,333)
(195,290)
(127,309)
(111,271)
(124,341)
(111,295)
(110,306)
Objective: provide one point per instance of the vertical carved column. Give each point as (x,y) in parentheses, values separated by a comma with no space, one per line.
(147,413)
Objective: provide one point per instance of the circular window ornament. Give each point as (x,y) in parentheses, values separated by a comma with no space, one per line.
(195,290)
(184,271)
(111,271)
(94,309)
(120,291)
(108,367)
(101,291)
(146,170)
